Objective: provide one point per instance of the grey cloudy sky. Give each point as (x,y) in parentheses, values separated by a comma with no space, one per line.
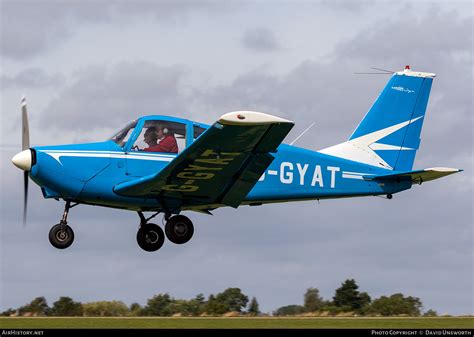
(88,68)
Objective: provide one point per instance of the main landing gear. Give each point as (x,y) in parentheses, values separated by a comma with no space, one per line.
(61,235)
(150,237)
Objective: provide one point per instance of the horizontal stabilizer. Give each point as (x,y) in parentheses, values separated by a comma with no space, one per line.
(418,176)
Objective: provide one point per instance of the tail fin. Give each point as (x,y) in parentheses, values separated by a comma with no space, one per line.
(389,134)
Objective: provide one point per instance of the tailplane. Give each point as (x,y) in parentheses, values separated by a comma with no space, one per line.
(389,134)
(416,177)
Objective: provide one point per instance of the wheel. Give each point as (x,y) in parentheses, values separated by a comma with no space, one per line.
(179,229)
(150,237)
(61,236)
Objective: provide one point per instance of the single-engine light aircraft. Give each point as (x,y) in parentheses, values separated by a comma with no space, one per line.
(170,165)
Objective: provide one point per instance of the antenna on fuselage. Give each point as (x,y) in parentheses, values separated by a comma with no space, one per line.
(302,133)
(384,71)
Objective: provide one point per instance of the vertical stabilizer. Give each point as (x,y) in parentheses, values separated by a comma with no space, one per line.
(389,134)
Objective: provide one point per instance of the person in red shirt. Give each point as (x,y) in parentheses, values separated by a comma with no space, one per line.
(159,139)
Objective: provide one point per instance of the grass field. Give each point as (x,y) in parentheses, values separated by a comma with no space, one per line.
(235,323)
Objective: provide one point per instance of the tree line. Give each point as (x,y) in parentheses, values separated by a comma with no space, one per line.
(348,301)
(232,302)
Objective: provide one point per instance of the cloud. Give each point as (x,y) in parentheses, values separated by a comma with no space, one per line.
(406,37)
(31,78)
(260,40)
(348,5)
(103,96)
(29,29)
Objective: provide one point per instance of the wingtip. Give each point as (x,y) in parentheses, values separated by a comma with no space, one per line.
(444,169)
(250,118)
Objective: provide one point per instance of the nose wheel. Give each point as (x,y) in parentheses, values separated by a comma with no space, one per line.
(61,236)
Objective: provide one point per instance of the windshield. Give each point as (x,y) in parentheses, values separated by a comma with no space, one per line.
(121,137)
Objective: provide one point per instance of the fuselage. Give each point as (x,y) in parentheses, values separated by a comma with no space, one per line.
(87,173)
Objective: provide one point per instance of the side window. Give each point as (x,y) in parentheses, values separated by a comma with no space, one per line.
(161,136)
(198,131)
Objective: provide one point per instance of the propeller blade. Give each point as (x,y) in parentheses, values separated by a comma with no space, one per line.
(25,144)
(25,140)
(25,194)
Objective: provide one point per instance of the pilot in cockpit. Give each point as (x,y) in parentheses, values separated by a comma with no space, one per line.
(159,139)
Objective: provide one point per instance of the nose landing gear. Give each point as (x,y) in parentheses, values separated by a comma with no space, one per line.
(61,236)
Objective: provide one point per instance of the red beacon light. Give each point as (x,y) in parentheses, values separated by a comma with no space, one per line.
(407,67)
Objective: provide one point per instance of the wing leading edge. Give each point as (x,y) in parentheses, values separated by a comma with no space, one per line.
(220,167)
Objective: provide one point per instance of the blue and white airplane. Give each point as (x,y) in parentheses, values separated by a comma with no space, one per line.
(238,160)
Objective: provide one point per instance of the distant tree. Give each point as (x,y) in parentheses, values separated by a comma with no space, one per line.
(289,310)
(215,307)
(430,313)
(396,304)
(37,307)
(232,299)
(196,306)
(136,309)
(254,309)
(332,309)
(365,301)
(182,307)
(105,309)
(159,305)
(8,312)
(200,298)
(348,295)
(312,300)
(65,306)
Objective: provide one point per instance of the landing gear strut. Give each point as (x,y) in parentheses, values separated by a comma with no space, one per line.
(150,237)
(61,235)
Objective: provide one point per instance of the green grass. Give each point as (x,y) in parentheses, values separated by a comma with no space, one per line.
(234,323)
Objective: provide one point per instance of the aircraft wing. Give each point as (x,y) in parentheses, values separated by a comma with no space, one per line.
(220,167)
(418,176)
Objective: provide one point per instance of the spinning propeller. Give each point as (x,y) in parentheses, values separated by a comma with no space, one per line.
(23,159)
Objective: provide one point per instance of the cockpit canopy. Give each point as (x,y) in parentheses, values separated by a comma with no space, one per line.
(158,134)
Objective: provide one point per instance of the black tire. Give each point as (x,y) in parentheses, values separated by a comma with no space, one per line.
(150,237)
(179,229)
(61,236)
